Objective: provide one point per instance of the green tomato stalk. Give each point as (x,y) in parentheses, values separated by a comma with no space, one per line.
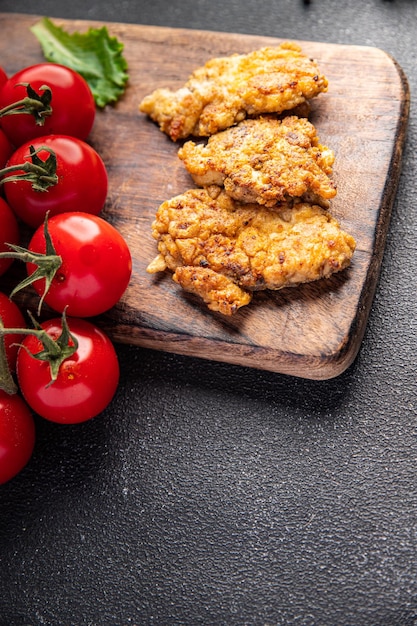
(54,352)
(7,383)
(47,264)
(42,174)
(39,106)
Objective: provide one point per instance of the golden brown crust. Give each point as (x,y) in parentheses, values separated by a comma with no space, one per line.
(219,292)
(254,247)
(226,90)
(264,160)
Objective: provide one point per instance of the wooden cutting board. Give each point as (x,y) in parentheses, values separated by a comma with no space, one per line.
(313,331)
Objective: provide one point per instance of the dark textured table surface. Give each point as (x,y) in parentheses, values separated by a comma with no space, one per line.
(215,494)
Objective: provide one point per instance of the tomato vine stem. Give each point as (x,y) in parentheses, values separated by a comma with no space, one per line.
(54,352)
(7,382)
(47,264)
(42,174)
(37,105)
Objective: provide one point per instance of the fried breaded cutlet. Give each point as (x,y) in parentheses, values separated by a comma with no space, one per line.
(223,250)
(264,160)
(226,90)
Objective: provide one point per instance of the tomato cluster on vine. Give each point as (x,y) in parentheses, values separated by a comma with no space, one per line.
(54,184)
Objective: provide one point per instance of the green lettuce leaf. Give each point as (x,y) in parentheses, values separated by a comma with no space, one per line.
(94,54)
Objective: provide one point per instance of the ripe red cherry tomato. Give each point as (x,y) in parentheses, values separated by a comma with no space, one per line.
(3,77)
(96,264)
(9,233)
(11,317)
(82,180)
(6,149)
(73,107)
(86,381)
(17,435)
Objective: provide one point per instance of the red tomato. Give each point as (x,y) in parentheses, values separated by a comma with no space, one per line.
(73,106)
(6,149)
(3,77)
(9,233)
(17,435)
(82,181)
(96,264)
(86,381)
(11,317)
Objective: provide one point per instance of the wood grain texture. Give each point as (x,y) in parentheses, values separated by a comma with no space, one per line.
(313,331)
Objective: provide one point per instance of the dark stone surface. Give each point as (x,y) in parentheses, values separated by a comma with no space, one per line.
(213,494)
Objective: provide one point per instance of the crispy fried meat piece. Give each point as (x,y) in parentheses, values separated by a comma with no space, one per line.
(226,90)
(219,292)
(264,160)
(211,244)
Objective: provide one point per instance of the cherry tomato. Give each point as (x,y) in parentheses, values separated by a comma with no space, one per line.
(11,317)
(82,180)
(17,435)
(6,149)
(9,233)
(3,77)
(86,381)
(73,107)
(96,264)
